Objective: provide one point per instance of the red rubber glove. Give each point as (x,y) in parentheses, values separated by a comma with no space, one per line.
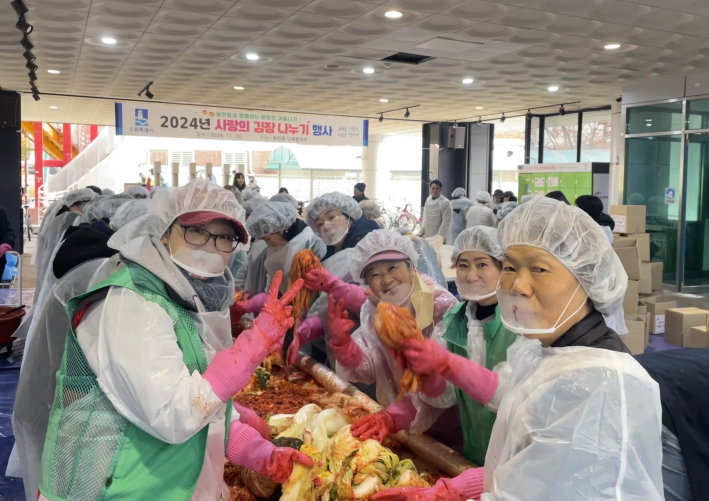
(467,485)
(4,248)
(322,280)
(426,357)
(249,417)
(308,331)
(248,305)
(346,351)
(246,448)
(387,422)
(231,369)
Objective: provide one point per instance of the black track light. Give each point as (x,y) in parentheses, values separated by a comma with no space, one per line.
(25,42)
(35,95)
(502,118)
(407,114)
(562,111)
(529,114)
(146,89)
(34,88)
(31,66)
(33,76)
(19,7)
(29,56)
(24,26)
(480,120)
(381,118)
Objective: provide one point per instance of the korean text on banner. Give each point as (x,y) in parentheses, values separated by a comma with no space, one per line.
(194,122)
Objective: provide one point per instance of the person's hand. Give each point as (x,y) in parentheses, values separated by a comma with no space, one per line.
(377,426)
(250,418)
(275,318)
(280,464)
(319,280)
(425,357)
(247,305)
(339,322)
(4,248)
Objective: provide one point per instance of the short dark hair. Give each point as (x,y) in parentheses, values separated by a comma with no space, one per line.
(95,189)
(283,190)
(591,205)
(436,181)
(558,195)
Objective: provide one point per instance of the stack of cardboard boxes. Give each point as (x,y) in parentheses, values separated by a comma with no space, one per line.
(644,308)
(687,327)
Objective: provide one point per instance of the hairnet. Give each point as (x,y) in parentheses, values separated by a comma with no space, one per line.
(576,241)
(379,241)
(483,196)
(478,238)
(458,192)
(527,198)
(103,207)
(106,191)
(83,195)
(370,207)
(250,193)
(154,190)
(129,211)
(335,200)
(252,203)
(285,198)
(271,217)
(139,191)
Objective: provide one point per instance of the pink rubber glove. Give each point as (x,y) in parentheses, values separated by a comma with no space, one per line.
(467,485)
(248,305)
(250,418)
(247,448)
(306,332)
(430,358)
(4,248)
(394,418)
(231,369)
(346,351)
(322,280)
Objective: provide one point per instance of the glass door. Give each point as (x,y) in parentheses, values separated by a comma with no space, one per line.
(696,234)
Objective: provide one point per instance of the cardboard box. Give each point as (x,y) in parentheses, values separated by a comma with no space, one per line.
(635,338)
(656,270)
(642,308)
(656,306)
(628,210)
(630,302)
(628,218)
(627,251)
(643,243)
(645,282)
(698,337)
(679,322)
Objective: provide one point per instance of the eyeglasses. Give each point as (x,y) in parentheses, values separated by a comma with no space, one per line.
(195,235)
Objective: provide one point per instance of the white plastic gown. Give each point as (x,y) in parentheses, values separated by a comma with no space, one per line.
(428,260)
(480,215)
(379,366)
(579,424)
(437,218)
(251,277)
(460,208)
(47,243)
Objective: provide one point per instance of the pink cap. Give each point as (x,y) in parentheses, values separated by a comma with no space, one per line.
(201,217)
(383,256)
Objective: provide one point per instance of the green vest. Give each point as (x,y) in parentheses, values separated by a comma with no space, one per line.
(477,420)
(93,453)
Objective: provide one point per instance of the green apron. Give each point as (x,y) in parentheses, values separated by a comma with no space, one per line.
(477,420)
(93,453)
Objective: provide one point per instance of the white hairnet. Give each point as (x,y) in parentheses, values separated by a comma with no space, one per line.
(527,198)
(139,191)
(370,207)
(380,241)
(286,198)
(478,238)
(458,192)
(252,203)
(130,211)
(576,241)
(154,190)
(107,192)
(83,195)
(484,197)
(271,217)
(103,207)
(335,200)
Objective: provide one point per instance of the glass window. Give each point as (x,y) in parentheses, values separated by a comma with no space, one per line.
(663,117)
(698,114)
(534,141)
(561,138)
(508,153)
(596,136)
(696,264)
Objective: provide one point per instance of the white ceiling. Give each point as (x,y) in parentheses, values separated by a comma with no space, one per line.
(195,50)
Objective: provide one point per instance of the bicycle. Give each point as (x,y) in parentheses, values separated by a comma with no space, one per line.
(399,219)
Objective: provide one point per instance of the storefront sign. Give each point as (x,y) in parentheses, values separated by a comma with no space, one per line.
(193,122)
(571,167)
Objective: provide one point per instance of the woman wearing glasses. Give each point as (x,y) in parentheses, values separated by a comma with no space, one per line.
(143,400)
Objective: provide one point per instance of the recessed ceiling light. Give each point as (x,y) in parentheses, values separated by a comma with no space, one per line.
(332,66)
(649,125)
(612,46)
(393,14)
(109,41)
(54,72)
(252,57)
(368,71)
(467,81)
(383,100)
(553,88)
(53,107)
(648,119)
(238,88)
(478,107)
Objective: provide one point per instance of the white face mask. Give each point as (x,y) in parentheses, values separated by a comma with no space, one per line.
(198,262)
(519,316)
(333,235)
(399,295)
(475,291)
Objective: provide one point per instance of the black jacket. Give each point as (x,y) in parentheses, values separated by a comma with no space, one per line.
(82,243)
(361,199)
(592,332)
(357,232)
(7,235)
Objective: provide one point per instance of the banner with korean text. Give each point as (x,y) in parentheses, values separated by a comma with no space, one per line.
(193,122)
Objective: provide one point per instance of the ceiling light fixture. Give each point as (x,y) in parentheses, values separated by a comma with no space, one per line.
(20,8)
(332,66)
(612,46)
(238,88)
(455,124)
(562,111)
(383,100)
(35,96)
(553,88)
(31,66)
(393,14)
(252,57)
(478,107)
(54,72)
(407,114)
(467,81)
(29,56)
(52,107)
(381,118)
(146,89)
(529,114)
(480,120)
(502,118)
(25,42)
(24,26)
(34,88)
(368,71)
(33,76)
(109,41)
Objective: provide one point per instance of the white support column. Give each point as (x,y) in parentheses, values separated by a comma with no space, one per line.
(175,174)
(157,171)
(370,168)
(617,154)
(208,171)
(226,174)
(193,171)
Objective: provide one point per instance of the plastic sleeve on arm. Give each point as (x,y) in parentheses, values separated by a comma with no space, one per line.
(353,295)
(474,379)
(131,346)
